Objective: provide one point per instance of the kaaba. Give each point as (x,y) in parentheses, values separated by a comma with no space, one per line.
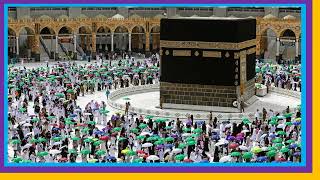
(207,61)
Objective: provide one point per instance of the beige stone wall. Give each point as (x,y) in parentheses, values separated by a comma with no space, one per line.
(196,94)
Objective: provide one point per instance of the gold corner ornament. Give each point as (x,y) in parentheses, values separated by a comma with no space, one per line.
(207,45)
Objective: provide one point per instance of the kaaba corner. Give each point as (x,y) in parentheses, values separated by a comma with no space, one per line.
(207,62)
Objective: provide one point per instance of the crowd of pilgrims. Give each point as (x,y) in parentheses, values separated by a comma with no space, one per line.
(46,124)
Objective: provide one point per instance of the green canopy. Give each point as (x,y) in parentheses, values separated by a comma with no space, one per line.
(281,133)
(57,139)
(139,160)
(235,154)
(15,141)
(116,129)
(182,145)
(140,137)
(169,139)
(131,153)
(17,159)
(198,130)
(247,155)
(271,153)
(191,143)
(277,140)
(134,130)
(72,151)
(122,139)
(179,157)
(43,153)
(142,126)
(284,150)
(85,151)
(100,152)
(149,116)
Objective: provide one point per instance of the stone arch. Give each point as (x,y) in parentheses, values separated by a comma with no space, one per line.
(12,48)
(288,44)
(47,30)
(65,30)
(121,38)
(155,38)
(138,38)
(103,39)
(26,41)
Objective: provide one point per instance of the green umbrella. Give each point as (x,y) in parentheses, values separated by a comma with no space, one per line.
(51,117)
(151,139)
(198,130)
(274,118)
(70,91)
(116,129)
(271,148)
(85,151)
(72,151)
(88,140)
(284,150)
(85,130)
(43,153)
(15,141)
(182,146)
(246,121)
(247,155)
(57,139)
(278,145)
(169,139)
(186,129)
(142,126)
(290,141)
(273,122)
(191,143)
(149,116)
(287,115)
(100,152)
(97,143)
(134,130)
(122,139)
(41,139)
(288,124)
(33,140)
(139,160)
(91,122)
(140,137)
(25,161)
(271,153)
(189,139)
(126,98)
(158,142)
(35,119)
(131,153)
(17,159)
(69,123)
(277,140)
(235,154)
(281,132)
(179,157)
(168,127)
(22,110)
(60,95)
(68,119)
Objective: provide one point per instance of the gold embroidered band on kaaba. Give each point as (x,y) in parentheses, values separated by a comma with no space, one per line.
(207,45)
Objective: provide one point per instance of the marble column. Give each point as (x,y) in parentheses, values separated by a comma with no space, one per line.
(75,47)
(129,42)
(94,45)
(278,50)
(112,36)
(17,46)
(297,57)
(56,50)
